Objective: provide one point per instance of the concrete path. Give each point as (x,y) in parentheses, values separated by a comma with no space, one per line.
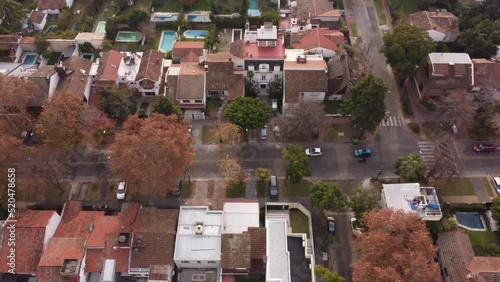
(251,190)
(197,130)
(481,192)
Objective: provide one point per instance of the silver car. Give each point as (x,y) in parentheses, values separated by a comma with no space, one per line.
(496,184)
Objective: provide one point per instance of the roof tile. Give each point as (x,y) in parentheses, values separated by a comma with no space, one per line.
(316,37)
(235,251)
(151,66)
(441,21)
(191,82)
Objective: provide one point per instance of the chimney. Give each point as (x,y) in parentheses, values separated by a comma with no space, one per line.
(451,69)
(230,59)
(61,70)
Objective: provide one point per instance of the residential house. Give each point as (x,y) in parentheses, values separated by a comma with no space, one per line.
(235,254)
(458,262)
(290,255)
(263,53)
(15,69)
(46,79)
(153,238)
(305,78)
(33,230)
(441,26)
(446,71)
(224,76)
(8,47)
(187,51)
(53,7)
(198,243)
(104,73)
(314,13)
(63,259)
(109,245)
(74,74)
(486,74)
(411,197)
(38,19)
(142,71)
(189,88)
(319,41)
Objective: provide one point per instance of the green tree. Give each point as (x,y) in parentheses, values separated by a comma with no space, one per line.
(11,13)
(86,23)
(297,163)
(110,29)
(367,105)
(41,43)
(407,49)
(118,102)
(137,17)
(164,105)
(251,88)
(262,174)
(328,196)
(273,16)
(248,113)
(212,37)
(46,54)
(275,91)
(64,19)
(327,275)
(495,208)
(363,201)
(481,40)
(410,168)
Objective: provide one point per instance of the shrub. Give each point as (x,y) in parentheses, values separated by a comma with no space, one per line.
(414,127)
(137,17)
(407,110)
(486,250)
(47,54)
(63,34)
(428,105)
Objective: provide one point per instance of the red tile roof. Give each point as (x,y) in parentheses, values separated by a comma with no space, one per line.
(27,40)
(191,82)
(183,48)
(95,258)
(151,66)
(37,17)
(316,37)
(241,49)
(235,251)
(258,242)
(103,225)
(76,81)
(221,74)
(59,249)
(440,21)
(301,79)
(109,64)
(486,73)
(312,8)
(51,4)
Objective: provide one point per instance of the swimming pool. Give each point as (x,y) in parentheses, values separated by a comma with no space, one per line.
(101,27)
(471,221)
(253,11)
(195,33)
(88,56)
(164,17)
(128,36)
(29,59)
(166,41)
(198,18)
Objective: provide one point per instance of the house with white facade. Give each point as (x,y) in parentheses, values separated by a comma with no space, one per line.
(38,19)
(142,71)
(412,198)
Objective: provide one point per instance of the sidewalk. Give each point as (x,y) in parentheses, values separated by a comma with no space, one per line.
(480,189)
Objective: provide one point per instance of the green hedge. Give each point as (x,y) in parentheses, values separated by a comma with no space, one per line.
(468,208)
(238,22)
(489,250)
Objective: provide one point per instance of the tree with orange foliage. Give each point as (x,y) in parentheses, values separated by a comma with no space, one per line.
(14,99)
(396,247)
(156,149)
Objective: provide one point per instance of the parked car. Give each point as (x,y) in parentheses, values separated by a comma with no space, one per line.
(263,133)
(496,184)
(313,152)
(273,187)
(121,192)
(331,225)
(485,148)
(178,188)
(360,153)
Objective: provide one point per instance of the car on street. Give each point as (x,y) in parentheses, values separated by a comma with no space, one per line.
(496,184)
(360,153)
(485,148)
(121,192)
(331,225)
(178,188)
(273,187)
(313,152)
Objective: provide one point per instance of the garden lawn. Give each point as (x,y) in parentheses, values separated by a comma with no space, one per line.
(288,189)
(261,189)
(380,12)
(93,192)
(169,6)
(236,191)
(106,11)
(332,133)
(138,4)
(187,189)
(230,6)
(454,187)
(354,30)
(212,106)
(481,237)
(201,5)
(333,107)
(299,222)
(409,6)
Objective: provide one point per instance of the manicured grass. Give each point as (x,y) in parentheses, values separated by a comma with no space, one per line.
(236,191)
(212,106)
(454,187)
(170,6)
(187,189)
(201,5)
(333,107)
(93,192)
(261,189)
(299,222)
(354,30)
(209,135)
(380,12)
(48,24)
(487,185)
(409,6)
(230,6)
(334,129)
(301,189)
(481,237)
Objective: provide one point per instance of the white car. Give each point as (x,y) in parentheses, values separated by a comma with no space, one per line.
(313,152)
(121,192)
(496,184)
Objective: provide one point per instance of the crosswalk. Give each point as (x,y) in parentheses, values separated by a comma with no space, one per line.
(393,121)
(427,151)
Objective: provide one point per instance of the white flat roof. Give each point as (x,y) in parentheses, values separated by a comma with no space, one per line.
(238,216)
(397,195)
(174,70)
(278,257)
(192,246)
(108,271)
(446,58)
(270,33)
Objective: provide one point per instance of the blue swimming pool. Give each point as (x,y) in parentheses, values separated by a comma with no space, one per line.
(88,56)
(29,59)
(167,41)
(471,221)
(195,33)
(101,27)
(253,10)
(198,18)
(164,17)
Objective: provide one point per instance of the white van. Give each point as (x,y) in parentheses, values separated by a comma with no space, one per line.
(263,133)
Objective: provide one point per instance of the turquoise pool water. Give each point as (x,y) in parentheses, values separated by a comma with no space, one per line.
(29,59)
(253,10)
(128,36)
(164,17)
(167,41)
(198,18)
(195,33)
(101,27)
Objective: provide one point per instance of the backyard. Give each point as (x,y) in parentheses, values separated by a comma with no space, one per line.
(454,187)
(227,7)
(299,222)
(169,6)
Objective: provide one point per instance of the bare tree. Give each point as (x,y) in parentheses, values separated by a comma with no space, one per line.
(148,30)
(306,117)
(233,171)
(458,106)
(366,58)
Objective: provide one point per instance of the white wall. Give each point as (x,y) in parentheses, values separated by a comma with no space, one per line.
(40,26)
(96,42)
(69,3)
(327,53)
(54,81)
(51,11)
(436,35)
(50,229)
(193,263)
(313,96)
